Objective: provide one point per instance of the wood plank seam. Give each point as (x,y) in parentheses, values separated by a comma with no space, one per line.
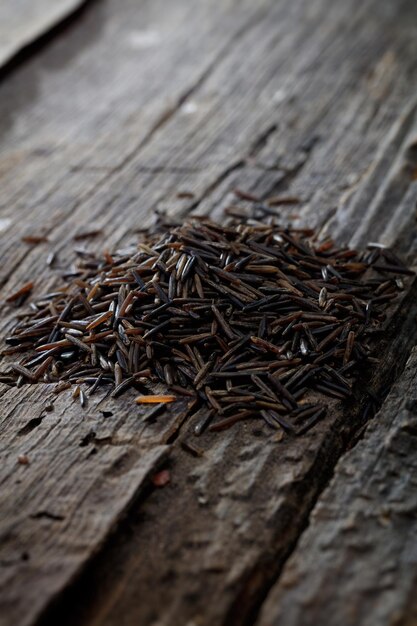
(241,612)
(374,516)
(29,46)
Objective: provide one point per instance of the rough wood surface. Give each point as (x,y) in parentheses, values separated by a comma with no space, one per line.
(136,102)
(234,515)
(23,21)
(357,561)
(53,517)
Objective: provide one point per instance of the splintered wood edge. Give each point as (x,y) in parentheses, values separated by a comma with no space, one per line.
(359,529)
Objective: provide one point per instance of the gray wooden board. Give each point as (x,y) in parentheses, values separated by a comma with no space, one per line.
(234,515)
(357,561)
(23,21)
(54,514)
(133,104)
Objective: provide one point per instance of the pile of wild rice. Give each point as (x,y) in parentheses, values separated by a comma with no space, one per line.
(247,318)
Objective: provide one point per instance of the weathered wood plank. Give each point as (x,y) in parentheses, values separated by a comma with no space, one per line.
(211,536)
(234,515)
(37,510)
(136,114)
(23,22)
(58,509)
(357,563)
(88,126)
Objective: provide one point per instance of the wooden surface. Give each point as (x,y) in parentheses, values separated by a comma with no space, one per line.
(129,105)
(361,531)
(23,22)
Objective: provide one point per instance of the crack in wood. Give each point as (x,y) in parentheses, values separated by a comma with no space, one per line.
(262,141)
(47,515)
(31,425)
(360,528)
(265,574)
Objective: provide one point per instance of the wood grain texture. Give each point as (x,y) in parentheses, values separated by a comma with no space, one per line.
(24,21)
(363,531)
(136,102)
(54,518)
(234,515)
